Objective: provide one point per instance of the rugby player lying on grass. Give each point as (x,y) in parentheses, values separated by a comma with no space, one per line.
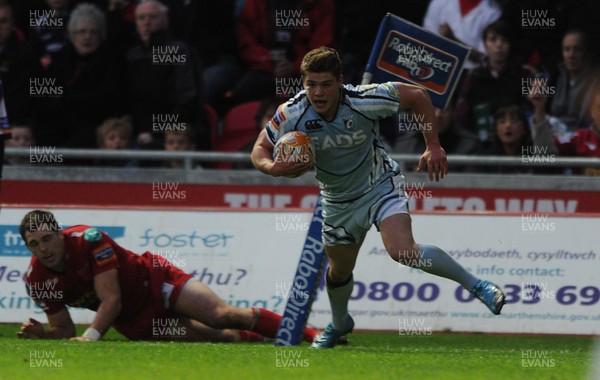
(83,267)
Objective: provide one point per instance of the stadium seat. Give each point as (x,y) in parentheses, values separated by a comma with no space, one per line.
(213,121)
(239,129)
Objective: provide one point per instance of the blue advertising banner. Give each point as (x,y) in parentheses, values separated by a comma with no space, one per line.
(305,285)
(408,53)
(11,243)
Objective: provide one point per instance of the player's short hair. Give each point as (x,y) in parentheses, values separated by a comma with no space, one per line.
(38,220)
(322,60)
(123,124)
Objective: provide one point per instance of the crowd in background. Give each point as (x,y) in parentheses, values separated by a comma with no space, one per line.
(119,74)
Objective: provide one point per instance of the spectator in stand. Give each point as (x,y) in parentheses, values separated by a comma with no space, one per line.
(120,19)
(88,79)
(195,23)
(273,36)
(22,137)
(582,142)
(115,133)
(454,138)
(17,66)
(498,82)
(464,22)
(22,10)
(511,138)
(183,140)
(584,15)
(163,77)
(575,82)
(49,34)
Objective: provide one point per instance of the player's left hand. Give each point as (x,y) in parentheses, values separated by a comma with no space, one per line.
(435,159)
(31,329)
(82,339)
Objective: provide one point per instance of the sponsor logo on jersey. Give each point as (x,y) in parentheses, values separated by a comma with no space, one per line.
(345,140)
(313,125)
(92,234)
(104,254)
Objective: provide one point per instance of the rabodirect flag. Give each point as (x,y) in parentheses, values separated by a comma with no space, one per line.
(406,52)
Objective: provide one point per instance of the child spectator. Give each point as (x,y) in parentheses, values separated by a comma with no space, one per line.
(115,134)
(22,137)
(179,141)
(498,82)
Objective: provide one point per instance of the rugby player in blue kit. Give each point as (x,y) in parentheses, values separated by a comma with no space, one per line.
(360,185)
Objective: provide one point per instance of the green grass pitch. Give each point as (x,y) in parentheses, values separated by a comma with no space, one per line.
(368,356)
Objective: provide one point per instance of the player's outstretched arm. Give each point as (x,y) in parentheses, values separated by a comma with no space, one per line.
(60,326)
(417,99)
(108,291)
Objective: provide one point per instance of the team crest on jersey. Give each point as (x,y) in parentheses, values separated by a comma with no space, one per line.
(104,254)
(348,121)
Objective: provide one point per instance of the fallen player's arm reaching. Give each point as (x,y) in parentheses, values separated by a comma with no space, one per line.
(60,326)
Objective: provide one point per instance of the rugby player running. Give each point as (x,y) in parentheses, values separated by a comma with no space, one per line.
(360,185)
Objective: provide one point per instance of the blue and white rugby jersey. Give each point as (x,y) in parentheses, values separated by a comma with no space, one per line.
(349,155)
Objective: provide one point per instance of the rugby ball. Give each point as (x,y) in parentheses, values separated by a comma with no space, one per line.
(295,147)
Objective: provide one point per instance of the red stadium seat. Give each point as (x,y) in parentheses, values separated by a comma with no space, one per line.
(213,121)
(239,129)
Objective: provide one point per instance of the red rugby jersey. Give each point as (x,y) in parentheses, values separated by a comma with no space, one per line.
(89,252)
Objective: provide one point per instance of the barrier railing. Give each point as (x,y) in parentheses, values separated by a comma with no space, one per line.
(189,158)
